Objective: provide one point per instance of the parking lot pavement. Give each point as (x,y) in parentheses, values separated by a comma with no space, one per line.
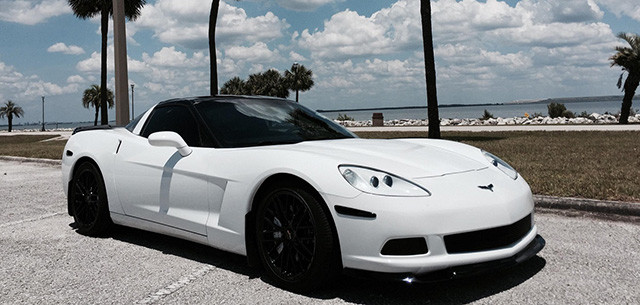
(586,260)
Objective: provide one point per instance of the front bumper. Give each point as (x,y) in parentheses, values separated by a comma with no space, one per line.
(456,272)
(457,207)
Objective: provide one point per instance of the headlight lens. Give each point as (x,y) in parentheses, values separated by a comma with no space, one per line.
(377,182)
(500,164)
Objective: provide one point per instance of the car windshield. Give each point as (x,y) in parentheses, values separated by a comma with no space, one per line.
(254,122)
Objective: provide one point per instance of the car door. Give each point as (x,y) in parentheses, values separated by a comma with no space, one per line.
(157,183)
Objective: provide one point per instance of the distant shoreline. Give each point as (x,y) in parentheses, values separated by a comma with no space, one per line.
(585,99)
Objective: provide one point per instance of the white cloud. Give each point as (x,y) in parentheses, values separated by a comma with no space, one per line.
(622,7)
(93,63)
(63,48)
(186,23)
(347,34)
(32,12)
(304,5)
(258,53)
(169,57)
(293,56)
(16,86)
(75,79)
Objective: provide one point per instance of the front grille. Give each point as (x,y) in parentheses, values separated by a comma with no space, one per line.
(488,239)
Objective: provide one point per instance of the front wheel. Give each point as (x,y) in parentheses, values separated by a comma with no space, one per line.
(294,239)
(89,201)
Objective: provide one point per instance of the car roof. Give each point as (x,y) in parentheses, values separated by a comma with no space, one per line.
(219,98)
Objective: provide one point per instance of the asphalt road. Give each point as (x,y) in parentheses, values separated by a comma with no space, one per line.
(43,261)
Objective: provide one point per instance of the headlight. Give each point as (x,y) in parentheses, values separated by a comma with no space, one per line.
(380,183)
(500,164)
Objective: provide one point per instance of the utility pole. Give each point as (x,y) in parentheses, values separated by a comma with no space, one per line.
(42,114)
(133,113)
(120,61)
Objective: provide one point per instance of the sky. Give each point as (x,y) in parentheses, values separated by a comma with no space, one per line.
(363,54)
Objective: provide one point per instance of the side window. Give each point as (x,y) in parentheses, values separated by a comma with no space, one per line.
(174,118)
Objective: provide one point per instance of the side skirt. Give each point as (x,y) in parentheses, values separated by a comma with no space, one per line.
(146,225)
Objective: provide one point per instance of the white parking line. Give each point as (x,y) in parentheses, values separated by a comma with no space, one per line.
(175,286)
(17,222)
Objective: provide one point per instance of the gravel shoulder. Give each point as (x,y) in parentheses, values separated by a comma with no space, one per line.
(586,260)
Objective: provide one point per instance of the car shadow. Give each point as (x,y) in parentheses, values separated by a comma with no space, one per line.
(460,291)
(347,288)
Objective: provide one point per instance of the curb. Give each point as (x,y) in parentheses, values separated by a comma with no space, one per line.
(31,160)
(587,205)
(541,201)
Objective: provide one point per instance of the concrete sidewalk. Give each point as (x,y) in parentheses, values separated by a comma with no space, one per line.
(586,127)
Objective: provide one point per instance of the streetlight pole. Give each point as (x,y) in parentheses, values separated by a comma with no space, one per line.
(42,114)
(133,112)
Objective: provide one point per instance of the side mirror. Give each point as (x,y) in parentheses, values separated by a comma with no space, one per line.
(170,139)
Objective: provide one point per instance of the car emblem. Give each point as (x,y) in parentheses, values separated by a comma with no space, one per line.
(486,187)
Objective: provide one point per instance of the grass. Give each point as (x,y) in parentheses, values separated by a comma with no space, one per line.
(31,146)
(598,165)
(586,164)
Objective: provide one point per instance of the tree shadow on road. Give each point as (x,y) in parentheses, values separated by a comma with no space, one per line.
(347,288)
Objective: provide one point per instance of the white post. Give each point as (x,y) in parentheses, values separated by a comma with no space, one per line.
(120,60)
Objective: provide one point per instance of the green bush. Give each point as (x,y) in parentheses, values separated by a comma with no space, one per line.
(556,109)
(487,115)
(344,117)
(584,114)
(568,114)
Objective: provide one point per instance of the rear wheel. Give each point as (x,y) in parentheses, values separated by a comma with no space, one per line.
(89,202)
(294,238)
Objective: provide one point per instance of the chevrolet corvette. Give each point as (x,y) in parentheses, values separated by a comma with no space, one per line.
(300,195)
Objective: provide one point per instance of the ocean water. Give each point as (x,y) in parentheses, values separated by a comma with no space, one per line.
(504,111)
(50,125)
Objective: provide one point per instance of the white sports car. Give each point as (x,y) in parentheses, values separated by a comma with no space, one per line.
(300,195)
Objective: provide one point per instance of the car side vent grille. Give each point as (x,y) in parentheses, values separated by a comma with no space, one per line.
(405,246)
(489,239)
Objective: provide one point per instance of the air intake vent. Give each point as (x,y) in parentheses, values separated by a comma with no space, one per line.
(405,246)
(489,239)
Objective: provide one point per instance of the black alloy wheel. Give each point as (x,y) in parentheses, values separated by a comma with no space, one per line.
(295,240)
(89,201)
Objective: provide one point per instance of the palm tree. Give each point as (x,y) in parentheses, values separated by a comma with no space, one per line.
(235,86)
(268,83)
(213,57)
(629,59)
(430,70)
(213,66)
(9,110)
(299,78)
(91,98)
(90,8)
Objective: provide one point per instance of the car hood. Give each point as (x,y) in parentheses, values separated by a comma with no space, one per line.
(410,159)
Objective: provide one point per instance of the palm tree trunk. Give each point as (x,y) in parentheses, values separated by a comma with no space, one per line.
(630,86)
(104,25)
(10,119)
(213,67)
(430,70)
(297,96)
(95,121)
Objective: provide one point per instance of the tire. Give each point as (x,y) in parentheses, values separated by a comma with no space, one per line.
(89,202)
(295,240)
